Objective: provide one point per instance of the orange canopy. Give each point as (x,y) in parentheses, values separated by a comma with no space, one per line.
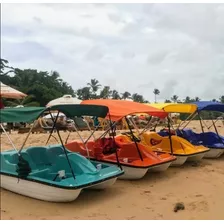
(121,108)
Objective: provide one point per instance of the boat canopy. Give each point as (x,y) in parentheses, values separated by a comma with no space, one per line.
(175,107)
(29,114)
(209,106)
(121,108)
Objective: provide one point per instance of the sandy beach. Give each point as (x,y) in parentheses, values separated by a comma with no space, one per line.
(200,188)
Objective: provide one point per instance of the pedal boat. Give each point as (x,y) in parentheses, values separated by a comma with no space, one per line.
(52,173)
(133,157)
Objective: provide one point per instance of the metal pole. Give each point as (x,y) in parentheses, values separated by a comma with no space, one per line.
(140,155)
(8,137)
(27,136)
(54,124)
(193,116)
(82,140)
(200,122)
(65,151)
(170,137)
(113,129)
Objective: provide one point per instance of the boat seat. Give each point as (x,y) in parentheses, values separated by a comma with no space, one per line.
(61,163)
(39,156)
(53,152)
(13,158)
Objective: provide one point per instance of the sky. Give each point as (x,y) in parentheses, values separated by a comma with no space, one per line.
(177,48)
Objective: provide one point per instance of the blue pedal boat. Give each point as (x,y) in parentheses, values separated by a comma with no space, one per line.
(212,140)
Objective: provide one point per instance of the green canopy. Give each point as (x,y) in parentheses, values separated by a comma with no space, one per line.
(20,114)
(78,110)
(29,114)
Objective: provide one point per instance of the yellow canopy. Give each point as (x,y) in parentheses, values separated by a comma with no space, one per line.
(175,107)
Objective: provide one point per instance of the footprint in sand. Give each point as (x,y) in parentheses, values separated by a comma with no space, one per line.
(199,206)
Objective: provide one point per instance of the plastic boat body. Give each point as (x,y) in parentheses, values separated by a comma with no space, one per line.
(43,181)
(182,149)
(133,165)
(208,139)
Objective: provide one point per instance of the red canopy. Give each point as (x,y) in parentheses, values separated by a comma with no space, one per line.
(121,108)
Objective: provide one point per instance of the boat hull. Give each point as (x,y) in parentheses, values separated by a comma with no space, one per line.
(133,173)
(179,161)
(160,167)
(37,190)
(196,157)
(214,153)
(104,184)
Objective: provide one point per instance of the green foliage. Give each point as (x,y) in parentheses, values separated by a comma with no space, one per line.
(126,95)
(42,86)
(221,99)
(137,98)
(156,92)
(4,66)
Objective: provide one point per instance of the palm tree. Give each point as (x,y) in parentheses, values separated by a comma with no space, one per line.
(187,99)
(94,85)
(105,92)
(174,98)
(137,98)
(115,94)
(197,99)
(156,92)
(84,93)
(126,95)
(3,66)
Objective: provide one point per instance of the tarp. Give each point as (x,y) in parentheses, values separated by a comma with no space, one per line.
(209,106)
(121,108)
(175,107)
(29,114)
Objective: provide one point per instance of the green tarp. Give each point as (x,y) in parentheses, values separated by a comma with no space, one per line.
(29,114)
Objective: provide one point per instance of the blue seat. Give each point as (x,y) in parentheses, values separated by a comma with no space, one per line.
(208,139)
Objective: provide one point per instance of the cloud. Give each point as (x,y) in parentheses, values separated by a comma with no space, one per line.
(177,48)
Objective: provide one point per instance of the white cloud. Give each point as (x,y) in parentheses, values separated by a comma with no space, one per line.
(177,48)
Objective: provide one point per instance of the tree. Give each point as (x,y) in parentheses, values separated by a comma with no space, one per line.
(42,85)
(187,100)
(115,95)
(126,95)
(156,92)
(174,98)
(84,93)
(197,99)
(105,92)
(29,101)
(221,99)
(167,101)
(3,66)
(94,86)
(137,98)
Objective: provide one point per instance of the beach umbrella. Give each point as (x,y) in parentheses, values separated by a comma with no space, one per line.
(66,99)
(9,92)
(54,114)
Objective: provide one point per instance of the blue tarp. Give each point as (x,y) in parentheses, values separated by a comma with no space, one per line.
(210,106)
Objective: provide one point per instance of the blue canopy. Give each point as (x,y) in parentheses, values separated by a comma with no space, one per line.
(209,106)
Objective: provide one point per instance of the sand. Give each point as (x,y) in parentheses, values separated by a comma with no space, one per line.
(200,188)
